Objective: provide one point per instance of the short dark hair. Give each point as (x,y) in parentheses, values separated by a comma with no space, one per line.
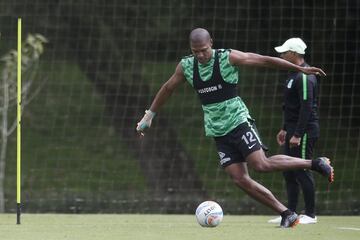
(199,35)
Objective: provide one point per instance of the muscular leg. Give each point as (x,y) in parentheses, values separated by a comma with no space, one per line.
(258,161)
(239,174)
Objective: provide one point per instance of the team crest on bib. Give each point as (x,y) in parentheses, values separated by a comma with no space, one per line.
(290,83)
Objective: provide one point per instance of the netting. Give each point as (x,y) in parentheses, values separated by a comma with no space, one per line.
(101,68)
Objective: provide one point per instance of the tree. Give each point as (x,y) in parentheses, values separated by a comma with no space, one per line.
(31,51)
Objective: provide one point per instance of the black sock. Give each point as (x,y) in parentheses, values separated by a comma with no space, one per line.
(286,213)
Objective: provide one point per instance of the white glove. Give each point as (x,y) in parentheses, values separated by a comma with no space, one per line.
(145,122)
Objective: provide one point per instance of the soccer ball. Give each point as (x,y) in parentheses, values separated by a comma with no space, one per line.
(209,214)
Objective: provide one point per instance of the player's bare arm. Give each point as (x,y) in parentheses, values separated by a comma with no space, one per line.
(161,97)
(168,88)
(252,59)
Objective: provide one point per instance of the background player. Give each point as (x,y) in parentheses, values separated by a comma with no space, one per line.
(300,130)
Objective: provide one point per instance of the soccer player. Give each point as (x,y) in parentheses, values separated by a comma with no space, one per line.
(300,130)
(213,73)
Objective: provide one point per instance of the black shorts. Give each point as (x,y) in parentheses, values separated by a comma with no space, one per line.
(235,146)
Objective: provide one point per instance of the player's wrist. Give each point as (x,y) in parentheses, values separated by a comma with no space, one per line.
(145,122)
(300,68)
(150,113)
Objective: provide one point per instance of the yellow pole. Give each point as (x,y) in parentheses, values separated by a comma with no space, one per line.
(18,148)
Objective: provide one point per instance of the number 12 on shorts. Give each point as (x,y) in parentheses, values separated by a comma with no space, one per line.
(248,138)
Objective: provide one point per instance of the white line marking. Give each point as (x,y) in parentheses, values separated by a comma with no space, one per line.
(349,228)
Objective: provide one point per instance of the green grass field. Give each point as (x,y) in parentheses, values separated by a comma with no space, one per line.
(169,227)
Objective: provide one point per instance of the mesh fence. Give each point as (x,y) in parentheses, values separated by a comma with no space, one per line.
(100,69)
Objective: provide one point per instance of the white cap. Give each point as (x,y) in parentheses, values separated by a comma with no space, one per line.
(293,44)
